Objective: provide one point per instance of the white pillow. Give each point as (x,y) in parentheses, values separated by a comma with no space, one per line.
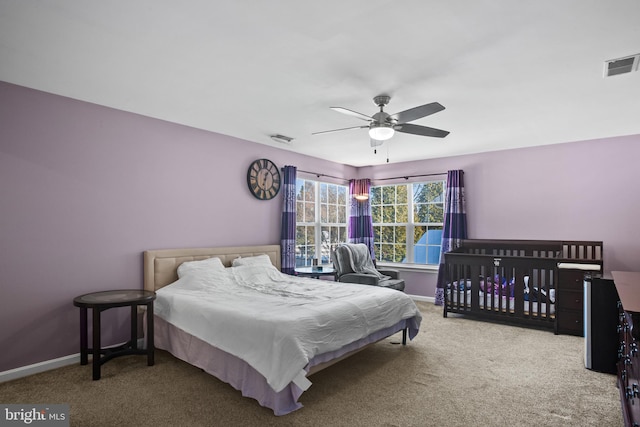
(209,264)
(253,260)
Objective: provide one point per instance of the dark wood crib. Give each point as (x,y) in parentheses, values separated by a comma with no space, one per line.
(528,282)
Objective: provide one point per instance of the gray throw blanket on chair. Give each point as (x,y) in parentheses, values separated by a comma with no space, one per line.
(360,260)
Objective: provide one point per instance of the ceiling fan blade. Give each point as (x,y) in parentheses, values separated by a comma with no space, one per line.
(421,130)
(338,130)
(417,112)
(352,113)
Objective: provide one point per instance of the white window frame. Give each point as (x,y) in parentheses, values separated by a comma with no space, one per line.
(410,226)
(317,223)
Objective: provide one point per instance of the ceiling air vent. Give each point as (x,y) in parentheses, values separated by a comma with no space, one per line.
(625,65)
(282,139)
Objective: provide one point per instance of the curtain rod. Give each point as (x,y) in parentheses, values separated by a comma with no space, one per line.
(378,179)
(410,176)
(323,174)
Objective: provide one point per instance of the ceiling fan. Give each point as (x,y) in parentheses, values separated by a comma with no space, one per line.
(382,126)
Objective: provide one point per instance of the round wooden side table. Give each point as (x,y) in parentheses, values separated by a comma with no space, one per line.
(101,301)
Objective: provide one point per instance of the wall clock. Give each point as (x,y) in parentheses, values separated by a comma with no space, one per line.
(263,178)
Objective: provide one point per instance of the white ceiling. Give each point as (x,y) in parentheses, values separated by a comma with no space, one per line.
(510,73)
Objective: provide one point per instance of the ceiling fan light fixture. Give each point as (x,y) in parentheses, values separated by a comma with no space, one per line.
(360,189)
(381,132)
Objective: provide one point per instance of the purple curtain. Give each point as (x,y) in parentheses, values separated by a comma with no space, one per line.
(455,225)
(360,223)
(288,230)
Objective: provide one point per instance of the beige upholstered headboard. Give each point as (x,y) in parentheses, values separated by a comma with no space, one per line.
(160,266)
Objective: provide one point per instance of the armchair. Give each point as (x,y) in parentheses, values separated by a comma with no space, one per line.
(353,264)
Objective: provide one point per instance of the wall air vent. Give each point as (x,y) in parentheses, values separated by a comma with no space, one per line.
(614,67)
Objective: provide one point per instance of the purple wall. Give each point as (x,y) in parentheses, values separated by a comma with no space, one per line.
(85,189)
(584,190)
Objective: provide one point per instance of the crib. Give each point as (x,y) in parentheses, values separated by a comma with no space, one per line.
(515,281)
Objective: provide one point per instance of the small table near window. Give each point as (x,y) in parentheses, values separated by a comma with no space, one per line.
(316,272)
(101,301)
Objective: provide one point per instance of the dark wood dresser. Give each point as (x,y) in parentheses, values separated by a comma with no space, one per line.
(570,296)
(628,286)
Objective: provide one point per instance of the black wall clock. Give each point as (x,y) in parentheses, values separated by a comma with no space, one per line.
(263,178)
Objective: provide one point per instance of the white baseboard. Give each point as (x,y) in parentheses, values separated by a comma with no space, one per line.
(421,298)
(36,368)
(47,365)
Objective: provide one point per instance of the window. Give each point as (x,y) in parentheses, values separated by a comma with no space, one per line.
(407,222)
(321,220)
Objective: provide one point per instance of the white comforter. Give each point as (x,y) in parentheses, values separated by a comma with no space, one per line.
(276,322)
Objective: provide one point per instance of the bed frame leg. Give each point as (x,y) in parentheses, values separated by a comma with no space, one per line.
(404,336)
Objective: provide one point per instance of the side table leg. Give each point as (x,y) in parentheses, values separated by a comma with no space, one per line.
(84,359)
(150,332)
(134,327)
(96,343)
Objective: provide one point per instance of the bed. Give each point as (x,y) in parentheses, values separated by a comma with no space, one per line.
(230,312)
(514,281)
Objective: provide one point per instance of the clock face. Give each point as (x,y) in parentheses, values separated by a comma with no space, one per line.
(263,178)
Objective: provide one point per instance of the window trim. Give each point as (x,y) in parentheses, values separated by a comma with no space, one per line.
(406,266)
